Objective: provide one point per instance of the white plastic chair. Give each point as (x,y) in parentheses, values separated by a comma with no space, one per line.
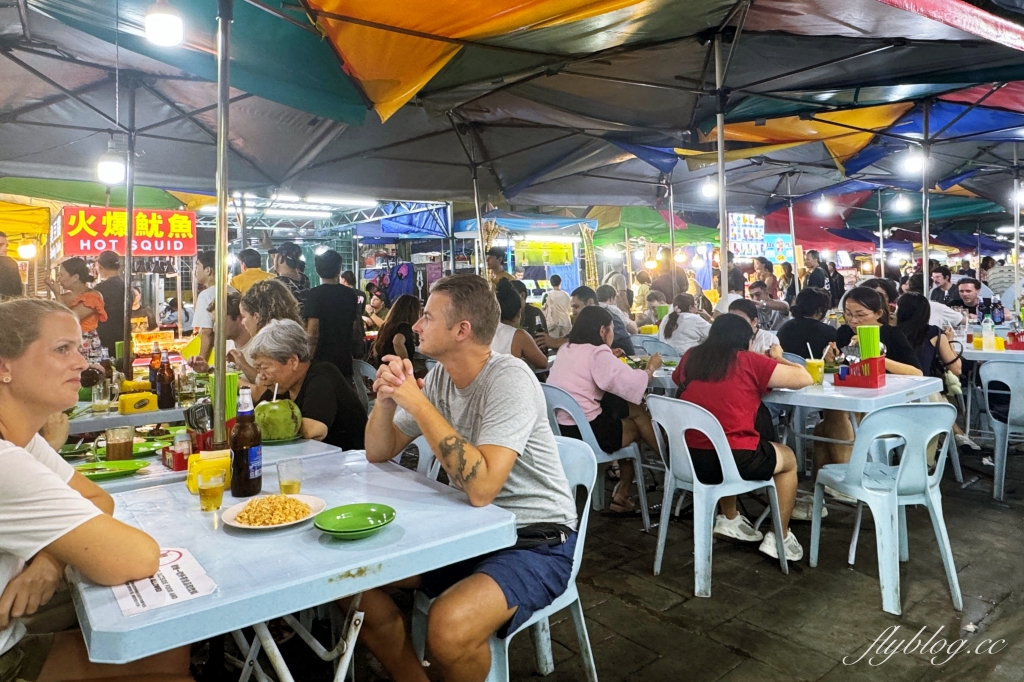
(793,357)
(427,464)
(558,399)
(652,346)
(676,417)
(580,468)
(363,370)
(887,489)
(1011,374)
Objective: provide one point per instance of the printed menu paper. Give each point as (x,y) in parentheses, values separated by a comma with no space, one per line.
(179,579)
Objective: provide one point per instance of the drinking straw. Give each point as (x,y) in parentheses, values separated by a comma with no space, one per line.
(275,394)
(811,352)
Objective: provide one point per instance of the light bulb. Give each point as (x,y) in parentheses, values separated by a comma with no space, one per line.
(680,257)
(901,204)
(651,264)
(697,263)
(913,162)
(320,250)
(609,252)
(1020,198)
(110,168)
(164,25)
(709,188)
(27,250)
(639,253)
(824,206)
(702,249)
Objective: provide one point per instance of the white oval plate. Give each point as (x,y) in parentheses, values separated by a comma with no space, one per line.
(316,505)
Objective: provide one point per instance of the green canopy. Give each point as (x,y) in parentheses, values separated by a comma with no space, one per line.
(642,221)
(90,193)
(942,206)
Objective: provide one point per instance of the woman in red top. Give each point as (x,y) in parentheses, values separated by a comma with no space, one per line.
(726,379)
(73,276)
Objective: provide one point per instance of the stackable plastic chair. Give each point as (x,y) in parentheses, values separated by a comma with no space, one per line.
(652,346)
(676,417)
(559,400)
(888,489)
(793,357)
(363,370)
(580,468)
(427,463)
(1011,374)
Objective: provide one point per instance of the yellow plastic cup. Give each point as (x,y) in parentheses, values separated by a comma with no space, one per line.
(816,368)
(1000,343)
(977,343)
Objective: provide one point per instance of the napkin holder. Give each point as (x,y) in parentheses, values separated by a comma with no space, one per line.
(868,373)
(205,462)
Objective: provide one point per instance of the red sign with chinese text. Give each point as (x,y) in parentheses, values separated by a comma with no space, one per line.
(88,231)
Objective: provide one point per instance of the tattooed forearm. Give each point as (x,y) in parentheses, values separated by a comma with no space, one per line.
(453,455)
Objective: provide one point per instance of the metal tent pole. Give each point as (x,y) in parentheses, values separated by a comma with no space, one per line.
(478,248)
(925,210)
(628,256)
(243,237)
(672,236)
(792,228)
(177,291)
(1016,235)
(224,16)
(451,240)
(881,236)
(129,231)
(723,215)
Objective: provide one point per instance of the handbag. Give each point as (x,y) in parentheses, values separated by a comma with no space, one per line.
(537,534)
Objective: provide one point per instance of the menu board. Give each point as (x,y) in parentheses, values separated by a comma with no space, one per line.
(746,235)
(779,248)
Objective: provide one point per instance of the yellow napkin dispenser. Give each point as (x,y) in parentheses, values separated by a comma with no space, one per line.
(130,403)
(207,461)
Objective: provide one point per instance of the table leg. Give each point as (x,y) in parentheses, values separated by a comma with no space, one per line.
(273,653)
(250,665)
(852,556)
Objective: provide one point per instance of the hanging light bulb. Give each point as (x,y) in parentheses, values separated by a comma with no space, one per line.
(27,250)
(698,262)
(1020,197)
(901,204)
(702,249)
(110,168)
(913,162)
(709,188)
(651,264)
(164,25)
(824,206)
(680,257)
(610,252)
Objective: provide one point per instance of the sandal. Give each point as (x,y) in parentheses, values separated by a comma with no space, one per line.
(626,508)
(612,472)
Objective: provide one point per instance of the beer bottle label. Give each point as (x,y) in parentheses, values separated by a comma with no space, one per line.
(255,461)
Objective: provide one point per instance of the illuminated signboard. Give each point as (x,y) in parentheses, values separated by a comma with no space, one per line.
(88,231)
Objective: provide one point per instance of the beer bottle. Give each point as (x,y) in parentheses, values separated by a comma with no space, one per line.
(165,384)
(246,449)
(108,366)
(154,364)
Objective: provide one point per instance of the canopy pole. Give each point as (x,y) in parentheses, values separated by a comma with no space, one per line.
(1016,235)
(478,248)
(628,257)
(177,292)
(129,208)
(881,237)
(243,238)
(723,215)
(792,227)
(672,236)
(224,15)
(925,211)
(451,240)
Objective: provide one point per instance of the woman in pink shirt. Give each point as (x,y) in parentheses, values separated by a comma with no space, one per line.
(608,390)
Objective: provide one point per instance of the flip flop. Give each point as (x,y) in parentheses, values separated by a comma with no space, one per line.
(629,509)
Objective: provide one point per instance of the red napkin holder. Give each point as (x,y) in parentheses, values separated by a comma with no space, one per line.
(864,374)
(1017,345)
(204,441)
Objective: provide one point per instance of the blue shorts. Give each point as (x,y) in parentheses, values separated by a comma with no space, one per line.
(529,578)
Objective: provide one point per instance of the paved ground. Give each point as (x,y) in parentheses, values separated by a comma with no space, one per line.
(762,625)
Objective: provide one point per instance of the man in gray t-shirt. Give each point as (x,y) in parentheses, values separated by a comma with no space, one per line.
(484,416)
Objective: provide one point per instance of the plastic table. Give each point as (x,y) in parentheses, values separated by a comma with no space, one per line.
(90,421)
(898,389)
(265,574)
(157,474)
(971,353)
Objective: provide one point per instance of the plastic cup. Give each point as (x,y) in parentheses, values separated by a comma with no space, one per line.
(119,442)
(1000,343)
(869,340)
(101,397)
(977,343)
(289,476)
(816,368)
(662,311)
(211,490)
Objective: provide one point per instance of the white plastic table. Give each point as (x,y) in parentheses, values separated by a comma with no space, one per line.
(266,574)
(157,474)
(90,421)
(986,355)
(898,389)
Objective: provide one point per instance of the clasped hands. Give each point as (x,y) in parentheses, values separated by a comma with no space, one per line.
(396,382)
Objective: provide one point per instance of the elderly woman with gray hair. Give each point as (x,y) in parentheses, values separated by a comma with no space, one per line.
(331,411)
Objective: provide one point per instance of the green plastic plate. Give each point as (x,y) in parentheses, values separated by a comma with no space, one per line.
(669,363)
(167,436)
(354,518)
(103,471)
(73,450)
(356,535)
(147,449)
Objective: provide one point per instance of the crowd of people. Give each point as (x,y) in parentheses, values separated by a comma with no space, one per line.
(481,409)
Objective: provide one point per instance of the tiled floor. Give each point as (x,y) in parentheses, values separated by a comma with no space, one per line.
(762,625)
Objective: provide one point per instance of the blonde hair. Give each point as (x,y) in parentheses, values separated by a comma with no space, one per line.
(20,319)
(270,300)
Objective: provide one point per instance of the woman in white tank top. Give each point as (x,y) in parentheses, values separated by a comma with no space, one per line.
(508,338)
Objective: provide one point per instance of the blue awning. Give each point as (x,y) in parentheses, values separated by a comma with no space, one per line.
(525,222)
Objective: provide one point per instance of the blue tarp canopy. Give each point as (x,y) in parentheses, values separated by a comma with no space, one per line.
(972,242)
(525,222)
(425,224)
(866,236)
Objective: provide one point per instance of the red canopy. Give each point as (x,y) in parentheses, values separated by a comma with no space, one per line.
(812,228)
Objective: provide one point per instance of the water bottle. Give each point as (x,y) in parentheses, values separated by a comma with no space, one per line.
(988,334)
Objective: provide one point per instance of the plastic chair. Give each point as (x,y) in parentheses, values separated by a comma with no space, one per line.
(557,399)
(676,417)
(580,468)
(427,464)
(363,370)
(793,357)
(652,346)
(1011,374)
(887,489)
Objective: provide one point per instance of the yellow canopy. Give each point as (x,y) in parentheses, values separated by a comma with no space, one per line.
(698,161)
(19,220)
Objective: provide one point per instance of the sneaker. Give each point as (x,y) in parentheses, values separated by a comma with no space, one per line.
(803,508)
(794,552)
(738,528)
(988,461)
(840,497)
(962,439)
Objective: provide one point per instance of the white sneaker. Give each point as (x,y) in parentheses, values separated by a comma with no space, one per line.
(965,440)
(804,507)
(738,528)
(794,552)
(840,497)
(987,461)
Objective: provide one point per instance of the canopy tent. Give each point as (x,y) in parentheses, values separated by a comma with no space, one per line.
(95,193)
(614,222)
(525,222)
(19,221)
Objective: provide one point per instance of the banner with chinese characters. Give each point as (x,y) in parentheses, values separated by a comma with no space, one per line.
(88,231)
